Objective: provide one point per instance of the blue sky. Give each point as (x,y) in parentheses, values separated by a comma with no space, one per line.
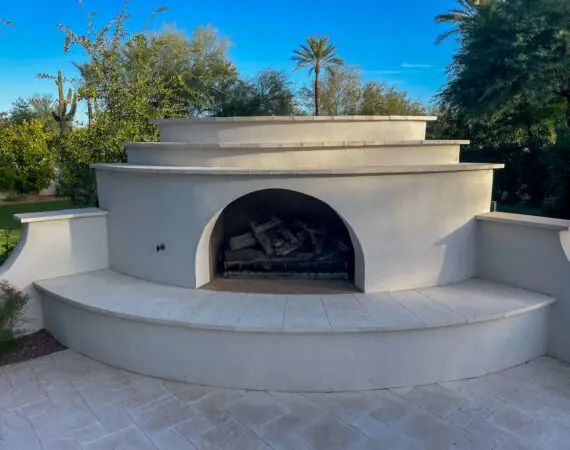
(390,41)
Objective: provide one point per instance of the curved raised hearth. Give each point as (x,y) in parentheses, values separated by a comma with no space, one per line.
(297,342)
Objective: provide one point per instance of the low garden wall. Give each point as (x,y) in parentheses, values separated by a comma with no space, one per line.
(531,253)
(55,244)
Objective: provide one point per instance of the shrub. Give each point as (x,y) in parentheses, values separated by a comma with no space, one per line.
(101,143)
(7,244)
(26,162)
(12,305)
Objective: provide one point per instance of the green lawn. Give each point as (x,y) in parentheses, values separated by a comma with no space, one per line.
(7,212)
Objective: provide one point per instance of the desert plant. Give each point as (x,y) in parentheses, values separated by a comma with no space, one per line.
(62,115)
(12,305)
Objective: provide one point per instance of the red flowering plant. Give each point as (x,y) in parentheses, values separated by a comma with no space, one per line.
(12,305)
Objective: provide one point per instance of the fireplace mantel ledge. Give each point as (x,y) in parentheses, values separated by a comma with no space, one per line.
(206,120)
(376,170)
(309,145)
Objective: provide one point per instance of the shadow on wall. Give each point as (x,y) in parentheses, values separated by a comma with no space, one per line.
(459,253)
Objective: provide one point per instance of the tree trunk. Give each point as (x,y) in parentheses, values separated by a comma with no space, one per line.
(90,112)
(317,92)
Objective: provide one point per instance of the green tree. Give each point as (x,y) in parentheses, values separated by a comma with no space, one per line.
(380,99)
(528,44)
(42,107)
(21,111)
(270,92)
(319,55)
(467,9)
(341,92)
(26,163)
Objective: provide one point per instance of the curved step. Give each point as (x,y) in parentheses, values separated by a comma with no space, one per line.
(330,154)
(296,342)
(273,129)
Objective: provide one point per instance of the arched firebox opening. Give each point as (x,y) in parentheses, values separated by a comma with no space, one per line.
(279,240)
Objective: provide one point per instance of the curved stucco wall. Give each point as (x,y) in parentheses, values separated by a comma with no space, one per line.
(415,230)
(292,129)
(180,154)
(531,253)
(55,244)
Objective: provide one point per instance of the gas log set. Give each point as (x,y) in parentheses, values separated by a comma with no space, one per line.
(279,249)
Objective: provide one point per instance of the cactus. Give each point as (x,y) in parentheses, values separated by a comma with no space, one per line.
(62,116)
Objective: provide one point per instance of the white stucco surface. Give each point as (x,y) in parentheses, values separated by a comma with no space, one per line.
(295,155)
(409,231)
(531,253)
(125,284)
(55,244)
(403,338)
(294,129)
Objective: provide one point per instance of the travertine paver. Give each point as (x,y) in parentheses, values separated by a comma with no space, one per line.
(66,401)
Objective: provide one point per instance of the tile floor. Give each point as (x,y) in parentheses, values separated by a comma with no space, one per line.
(65,401)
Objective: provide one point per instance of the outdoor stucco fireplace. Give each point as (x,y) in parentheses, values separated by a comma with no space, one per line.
(281,234)
(219,252)
(331,199)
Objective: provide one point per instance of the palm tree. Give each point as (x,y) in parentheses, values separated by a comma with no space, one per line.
(317,54)
(467,10)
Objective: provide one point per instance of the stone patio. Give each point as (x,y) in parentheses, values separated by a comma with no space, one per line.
(65,401)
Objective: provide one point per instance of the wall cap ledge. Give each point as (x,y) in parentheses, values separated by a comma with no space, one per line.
(526,221)
(265,119)
(293,145)
(306,171)
(64,214)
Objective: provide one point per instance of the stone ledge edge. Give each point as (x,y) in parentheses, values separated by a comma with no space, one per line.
(64,214)
(302,330)
(296,145)
(242,171)
(298,119)
(526,221)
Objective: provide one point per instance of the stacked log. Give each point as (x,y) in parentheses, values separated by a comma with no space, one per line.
(274,244)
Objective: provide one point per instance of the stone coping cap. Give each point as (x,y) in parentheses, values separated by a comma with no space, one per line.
(527,221)
(111,293)
(297,145)
(64,214)
(371,170)
(297,119)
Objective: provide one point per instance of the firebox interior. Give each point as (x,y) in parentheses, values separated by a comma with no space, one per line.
(281,234)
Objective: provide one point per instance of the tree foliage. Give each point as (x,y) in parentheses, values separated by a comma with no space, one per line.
(344,92)
(26,163)
(129,79)
(269,93)
(21,111)
(317,54)
(458,17)
(509,90)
